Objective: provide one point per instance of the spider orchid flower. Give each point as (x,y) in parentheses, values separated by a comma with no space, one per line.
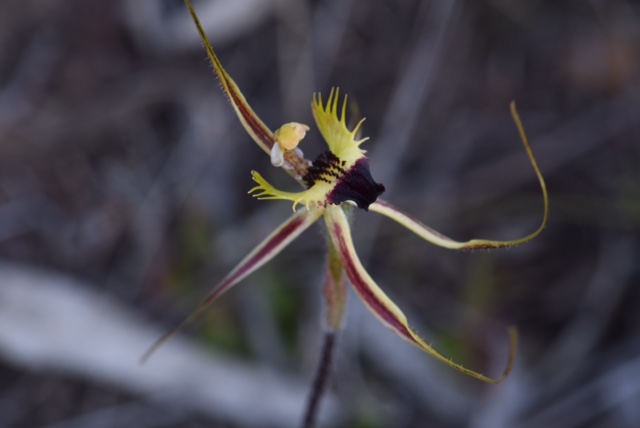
(338,178)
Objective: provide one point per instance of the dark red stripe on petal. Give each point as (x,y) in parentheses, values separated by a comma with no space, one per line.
(362,288)
(249,265)
(264,134)
(262,254)
(236,98)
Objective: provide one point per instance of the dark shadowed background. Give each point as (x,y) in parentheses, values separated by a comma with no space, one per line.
(123,198)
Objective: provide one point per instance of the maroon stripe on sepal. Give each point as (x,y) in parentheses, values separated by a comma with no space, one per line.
(360,284)
(257,259)
(264,252)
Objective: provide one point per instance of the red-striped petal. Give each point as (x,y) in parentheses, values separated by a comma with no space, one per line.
(254,126)
(268,249)
(252,123)
(383,307)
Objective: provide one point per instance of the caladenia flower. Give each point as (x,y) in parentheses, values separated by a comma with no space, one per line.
(336,181)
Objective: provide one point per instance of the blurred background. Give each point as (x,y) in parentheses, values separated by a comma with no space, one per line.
(123,198)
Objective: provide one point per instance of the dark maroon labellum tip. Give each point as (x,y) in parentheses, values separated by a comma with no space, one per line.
(356,185)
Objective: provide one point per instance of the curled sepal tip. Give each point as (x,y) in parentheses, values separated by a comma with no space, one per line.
(265,251)
(383,307)
(441,240)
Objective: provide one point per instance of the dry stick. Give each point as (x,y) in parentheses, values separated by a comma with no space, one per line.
(320,381)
